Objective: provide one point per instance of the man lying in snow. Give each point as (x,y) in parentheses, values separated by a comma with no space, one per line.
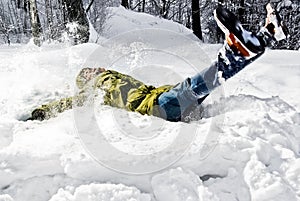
(173,102)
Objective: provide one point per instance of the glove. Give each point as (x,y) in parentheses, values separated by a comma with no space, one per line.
(37,114)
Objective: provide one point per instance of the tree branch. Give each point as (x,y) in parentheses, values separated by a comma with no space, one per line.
(89,6)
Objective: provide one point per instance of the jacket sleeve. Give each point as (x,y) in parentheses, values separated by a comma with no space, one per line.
(51,109)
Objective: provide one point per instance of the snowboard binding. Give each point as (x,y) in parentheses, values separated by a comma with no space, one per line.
(274,24)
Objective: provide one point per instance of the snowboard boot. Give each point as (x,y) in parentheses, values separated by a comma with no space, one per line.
(243,47)
(37,114)
(240,40)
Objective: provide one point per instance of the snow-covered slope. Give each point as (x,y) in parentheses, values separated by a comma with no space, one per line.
(121,20)
(245,148)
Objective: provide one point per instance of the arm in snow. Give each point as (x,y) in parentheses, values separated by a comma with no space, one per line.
(50,110)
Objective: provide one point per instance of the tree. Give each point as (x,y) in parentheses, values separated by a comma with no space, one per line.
(53,18)
(196,22)
(49,20)
(241,11)
(125,3)
(35,25)
(76,21)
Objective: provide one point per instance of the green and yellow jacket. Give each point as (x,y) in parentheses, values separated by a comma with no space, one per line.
(120,90)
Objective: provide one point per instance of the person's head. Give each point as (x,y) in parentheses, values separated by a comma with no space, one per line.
(87,74)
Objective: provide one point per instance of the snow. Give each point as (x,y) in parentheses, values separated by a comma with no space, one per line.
(246,146)
(121,20)
(178,184)
(94,192)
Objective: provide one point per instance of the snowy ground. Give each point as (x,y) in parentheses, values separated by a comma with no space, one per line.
(246,147)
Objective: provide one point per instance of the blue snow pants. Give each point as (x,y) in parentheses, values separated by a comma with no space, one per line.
(185,96)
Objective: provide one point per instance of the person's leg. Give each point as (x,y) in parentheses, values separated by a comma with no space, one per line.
(242,47)
(192,91)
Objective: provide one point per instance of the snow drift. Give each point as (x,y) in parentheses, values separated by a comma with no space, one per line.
(255,155)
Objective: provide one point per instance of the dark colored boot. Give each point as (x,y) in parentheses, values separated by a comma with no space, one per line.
(244,42)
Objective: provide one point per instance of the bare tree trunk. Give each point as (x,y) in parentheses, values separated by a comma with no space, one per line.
(60,13)
(48,11)
(196,23)
(188,22)
(219,32)
(138,6)
(143,6)
(76,17)
(180,12)
(34,23)
(89,6)
(125,3)
(11,16)
(164,9)
(16,13)
(241,11)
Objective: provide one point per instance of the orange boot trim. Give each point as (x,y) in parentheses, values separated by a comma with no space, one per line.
(237,45)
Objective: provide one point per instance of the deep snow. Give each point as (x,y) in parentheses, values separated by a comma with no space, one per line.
(251,132)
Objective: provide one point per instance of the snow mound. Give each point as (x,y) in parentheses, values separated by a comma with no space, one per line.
(6,197)
(255,155)
(265,185)
(122,20)
(103,192)
(178,184)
